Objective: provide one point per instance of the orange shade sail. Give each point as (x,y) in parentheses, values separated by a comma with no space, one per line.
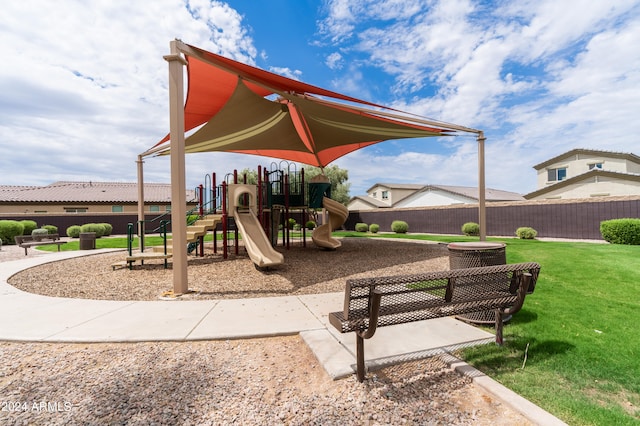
(244,109)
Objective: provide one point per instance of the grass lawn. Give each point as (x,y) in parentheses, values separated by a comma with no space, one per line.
(579,331)
(574,348)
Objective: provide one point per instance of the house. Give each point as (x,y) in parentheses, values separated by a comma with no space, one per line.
(587,173)
(386,195)
(86,197)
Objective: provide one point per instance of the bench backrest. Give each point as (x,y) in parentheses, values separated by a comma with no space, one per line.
(407,298)
(38,237)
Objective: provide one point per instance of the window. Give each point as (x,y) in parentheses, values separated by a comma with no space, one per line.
(385,195)
(154,209)
(557,174)
(595,166)
(374,194)
(117,209)
(75,209)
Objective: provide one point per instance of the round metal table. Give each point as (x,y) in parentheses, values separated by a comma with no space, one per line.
(475,255)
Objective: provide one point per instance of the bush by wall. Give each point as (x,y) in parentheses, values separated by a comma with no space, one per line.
(362,227)
(74,231)
(292,223)
(399,226)
(29,226)
(108,229)
(40,231)
(374,227)
(52,229)
(311,225)
(93,227)
(526,233)
(471,229)
(621,231)
(9,229)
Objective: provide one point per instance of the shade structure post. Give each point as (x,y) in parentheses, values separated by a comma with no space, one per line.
(141,227)
(482,217)
(178,179)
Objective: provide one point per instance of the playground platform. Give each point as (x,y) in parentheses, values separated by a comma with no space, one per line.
(34,318)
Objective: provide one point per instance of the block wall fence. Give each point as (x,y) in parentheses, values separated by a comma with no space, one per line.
(573,219)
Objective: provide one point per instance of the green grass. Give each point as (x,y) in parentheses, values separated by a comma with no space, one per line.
(581,329)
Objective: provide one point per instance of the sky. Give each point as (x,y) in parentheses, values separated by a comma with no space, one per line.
(84,86)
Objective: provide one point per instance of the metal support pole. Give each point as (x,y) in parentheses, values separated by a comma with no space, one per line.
(482,209)
(178,179)
(141,230)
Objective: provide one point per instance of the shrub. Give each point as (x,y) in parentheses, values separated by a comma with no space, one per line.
(93,227)
(362,227)
(621,231)
(399,226)
(311,225)
(471,229)
(292,223)
(52,229)
(29,226)
(40,231)
(526,233)
(374,227)
(9,229)
(108,229)
(74,231)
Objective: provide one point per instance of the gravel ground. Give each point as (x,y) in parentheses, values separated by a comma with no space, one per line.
(254,381)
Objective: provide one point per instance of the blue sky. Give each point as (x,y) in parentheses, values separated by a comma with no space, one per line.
(84,86)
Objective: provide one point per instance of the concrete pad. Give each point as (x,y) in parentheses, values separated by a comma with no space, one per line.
(337,360)
(393,344)
(269,316)
(141,321)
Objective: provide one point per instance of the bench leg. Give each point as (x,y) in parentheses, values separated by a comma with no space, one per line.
(359,357)
(499,339)
(25,251)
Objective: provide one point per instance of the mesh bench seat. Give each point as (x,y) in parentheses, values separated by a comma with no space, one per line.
(382,301)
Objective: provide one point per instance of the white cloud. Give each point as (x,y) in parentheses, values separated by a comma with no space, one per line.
(85,88)
(335,61)
(287,72)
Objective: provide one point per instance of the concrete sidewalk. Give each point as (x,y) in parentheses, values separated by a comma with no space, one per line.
(29,317)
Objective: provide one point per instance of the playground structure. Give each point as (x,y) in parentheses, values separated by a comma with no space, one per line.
(260,213)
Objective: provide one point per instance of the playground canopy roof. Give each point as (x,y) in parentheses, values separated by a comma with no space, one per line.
(244,109)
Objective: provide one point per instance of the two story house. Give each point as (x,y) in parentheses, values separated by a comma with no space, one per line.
(398,195)
(585,173)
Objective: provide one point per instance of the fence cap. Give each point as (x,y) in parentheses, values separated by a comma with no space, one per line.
(473,245)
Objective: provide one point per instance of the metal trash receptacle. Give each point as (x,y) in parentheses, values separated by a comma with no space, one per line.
(475,255)
(87,240)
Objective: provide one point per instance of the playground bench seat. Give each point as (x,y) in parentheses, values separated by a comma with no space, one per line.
(26,241)
(381,301)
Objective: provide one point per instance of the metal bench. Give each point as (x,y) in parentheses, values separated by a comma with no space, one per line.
(26,241)
(381,301)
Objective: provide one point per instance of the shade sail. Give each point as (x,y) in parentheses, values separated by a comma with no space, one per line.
(244,109)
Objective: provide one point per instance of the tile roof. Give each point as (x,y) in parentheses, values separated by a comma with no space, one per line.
(88,192)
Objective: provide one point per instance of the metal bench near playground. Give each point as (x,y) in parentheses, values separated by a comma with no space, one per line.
(382,301)
(26,241)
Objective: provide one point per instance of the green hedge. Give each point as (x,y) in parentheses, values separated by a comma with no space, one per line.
(311,225)
(399,226)
(526,233)
(52,229)
(29,226)
(108,229)
(9,229)
(94,227)
(621,231)
(74,231)
(471,229)
(362,227)
(374,227)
